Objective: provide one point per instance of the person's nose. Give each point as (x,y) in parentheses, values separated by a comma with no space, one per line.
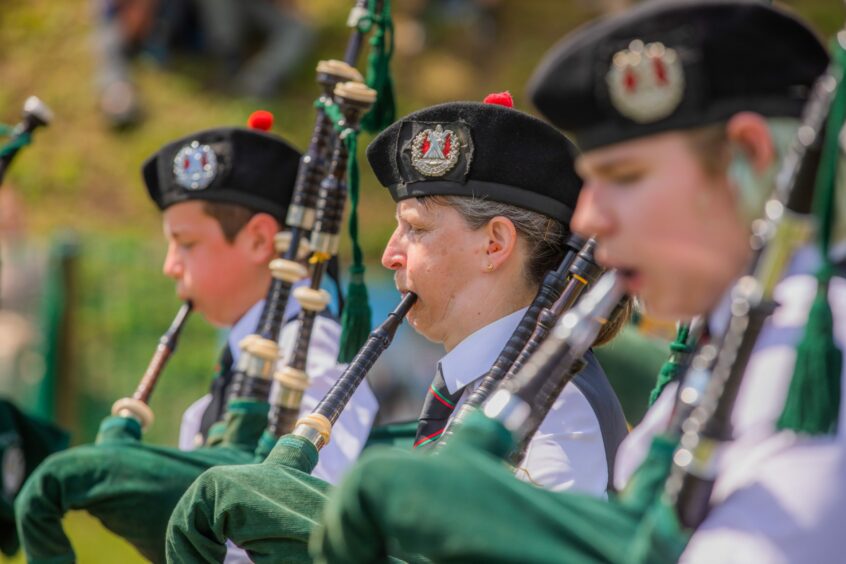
(172,267)
(394,256)
(590,219)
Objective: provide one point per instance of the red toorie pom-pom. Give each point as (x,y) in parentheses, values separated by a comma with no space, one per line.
(261,120)
(500,98)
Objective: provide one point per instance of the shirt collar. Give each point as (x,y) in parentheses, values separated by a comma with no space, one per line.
(248,322)
(474,356)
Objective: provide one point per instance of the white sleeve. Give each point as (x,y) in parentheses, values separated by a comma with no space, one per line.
(192,419)
(353,426)
(791,508)
(632,451)
(567,452)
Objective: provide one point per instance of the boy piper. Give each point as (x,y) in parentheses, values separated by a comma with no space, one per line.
(231,171)
(223,194)
(683,110)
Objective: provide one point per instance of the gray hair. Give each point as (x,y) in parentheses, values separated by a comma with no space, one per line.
(545,237)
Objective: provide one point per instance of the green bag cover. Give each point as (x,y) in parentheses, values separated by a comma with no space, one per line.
(399,434)
(465,505)
(24,442)
(268,509)
(130,487)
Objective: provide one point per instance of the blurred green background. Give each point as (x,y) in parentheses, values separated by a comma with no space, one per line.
(77,192)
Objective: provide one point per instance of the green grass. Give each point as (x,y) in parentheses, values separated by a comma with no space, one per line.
(92,542)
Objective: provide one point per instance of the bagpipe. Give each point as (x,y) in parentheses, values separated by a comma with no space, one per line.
(35,114)
(352,99)
(669,495)
(137,406)
(317,426)
(132,487)
(269,509)
(27,440)
(558,292)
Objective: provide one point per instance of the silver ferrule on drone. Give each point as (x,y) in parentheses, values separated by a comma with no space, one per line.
(34,106)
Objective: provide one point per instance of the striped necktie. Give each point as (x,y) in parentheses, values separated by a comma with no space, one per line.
(219,391)
(437,407)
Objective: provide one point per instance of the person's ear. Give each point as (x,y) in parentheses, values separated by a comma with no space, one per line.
(750,133)
(258,236)
(501,243)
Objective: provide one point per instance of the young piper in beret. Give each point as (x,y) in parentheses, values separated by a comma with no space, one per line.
(682,135)
(224,194)
(682,110)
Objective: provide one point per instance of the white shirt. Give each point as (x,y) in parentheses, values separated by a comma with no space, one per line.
(353,427)
(567,452)
(778,496)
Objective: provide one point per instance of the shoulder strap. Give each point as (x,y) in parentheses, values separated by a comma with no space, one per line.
(594,385)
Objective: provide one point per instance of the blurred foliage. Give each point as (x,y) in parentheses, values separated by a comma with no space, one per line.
(122,312)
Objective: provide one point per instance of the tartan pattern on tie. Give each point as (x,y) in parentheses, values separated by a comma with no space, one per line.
(219,391)
(437,407)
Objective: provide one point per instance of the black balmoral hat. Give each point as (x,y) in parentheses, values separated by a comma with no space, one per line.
(674,65)
(228,164)
(478,150)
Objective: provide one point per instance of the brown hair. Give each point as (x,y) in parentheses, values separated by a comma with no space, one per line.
(544,236)
(619,318)
(231,217)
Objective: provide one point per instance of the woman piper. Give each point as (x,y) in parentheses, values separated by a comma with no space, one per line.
(484,195)
(683,110)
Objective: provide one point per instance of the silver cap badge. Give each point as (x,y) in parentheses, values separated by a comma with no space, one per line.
(434,152)
(646,82)
(195,166)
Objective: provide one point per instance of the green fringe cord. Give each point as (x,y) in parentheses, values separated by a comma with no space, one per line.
(16,143)
(670,370)
(813,399)
(383,112)
(356,319)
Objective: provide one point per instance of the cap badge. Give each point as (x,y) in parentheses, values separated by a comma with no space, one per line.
(434,152)
(195,166)
(646,82)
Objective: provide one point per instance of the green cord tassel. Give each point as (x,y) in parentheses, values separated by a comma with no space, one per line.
(813,399)
(670,370)
(356,319)
(382,114)
(355,322)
